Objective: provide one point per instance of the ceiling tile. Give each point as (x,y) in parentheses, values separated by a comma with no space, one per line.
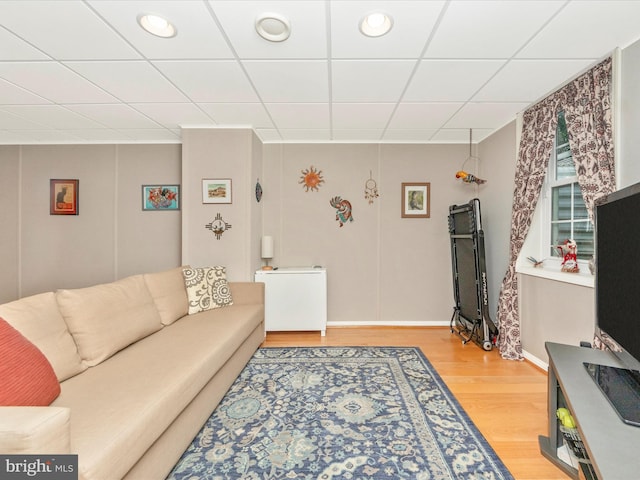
(198,35)
(299,115)
(308,28)
(129,81)
(209,81)
(412,25)
(302,135)
(152,135)
(62,29)
(114,116)
(370,80)
(53,136)
(357,135)
(84,68)
(587,29)
(253,114)
(13,95)
(268,135)
(54,82)
(507,85)
(13,48)
(408,135)
(449,80)
(14,121)
(53,116)
(290,81)
(173,115)
(361,116)
(488,29)
(101,135)
(485,115)
(16,138)
(418,116)
(461,135)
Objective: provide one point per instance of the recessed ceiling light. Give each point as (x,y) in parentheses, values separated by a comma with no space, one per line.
(157,25)
(273,27)
(376,24)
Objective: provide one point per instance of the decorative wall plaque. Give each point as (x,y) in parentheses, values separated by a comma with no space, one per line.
(218,226)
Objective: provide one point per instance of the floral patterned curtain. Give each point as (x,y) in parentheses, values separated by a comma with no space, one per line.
(587,106)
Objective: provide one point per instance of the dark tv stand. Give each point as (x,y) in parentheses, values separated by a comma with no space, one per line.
(612,445)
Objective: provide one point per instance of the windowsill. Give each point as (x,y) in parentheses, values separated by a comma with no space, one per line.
(552,272)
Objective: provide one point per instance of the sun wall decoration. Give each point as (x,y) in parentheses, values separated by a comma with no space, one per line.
(311,179)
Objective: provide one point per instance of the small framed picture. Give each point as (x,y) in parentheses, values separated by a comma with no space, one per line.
(160,197)
(63,197)
(216,190)
(415,200)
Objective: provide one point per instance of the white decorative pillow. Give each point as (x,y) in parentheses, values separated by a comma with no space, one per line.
(207,288)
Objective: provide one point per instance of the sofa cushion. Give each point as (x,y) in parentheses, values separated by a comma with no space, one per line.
(26,376)
(207,288)
(106,318)
(169,294)
(121,407)
(37,317)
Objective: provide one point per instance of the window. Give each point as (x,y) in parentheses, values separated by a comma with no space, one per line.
(568,214)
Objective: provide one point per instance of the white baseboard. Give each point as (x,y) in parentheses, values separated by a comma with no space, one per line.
(408,323)
(535,360)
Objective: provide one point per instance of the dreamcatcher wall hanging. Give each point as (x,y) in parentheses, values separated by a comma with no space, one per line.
(467,177)
(370,189)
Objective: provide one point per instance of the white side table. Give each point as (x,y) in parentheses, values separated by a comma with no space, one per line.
(295,298)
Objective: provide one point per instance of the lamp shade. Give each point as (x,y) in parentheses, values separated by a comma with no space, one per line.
(267,247)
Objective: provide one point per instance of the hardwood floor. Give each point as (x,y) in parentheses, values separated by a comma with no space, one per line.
(507,400)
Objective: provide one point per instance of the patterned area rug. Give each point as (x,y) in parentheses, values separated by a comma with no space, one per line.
(339,413)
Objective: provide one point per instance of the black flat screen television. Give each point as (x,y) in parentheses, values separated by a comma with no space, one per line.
(617,290)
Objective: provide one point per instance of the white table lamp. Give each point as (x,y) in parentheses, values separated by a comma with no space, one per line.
(267,251)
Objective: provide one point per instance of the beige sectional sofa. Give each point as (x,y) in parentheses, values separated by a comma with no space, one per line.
(138,375)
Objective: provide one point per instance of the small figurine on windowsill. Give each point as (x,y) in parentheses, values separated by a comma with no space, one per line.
(569,253)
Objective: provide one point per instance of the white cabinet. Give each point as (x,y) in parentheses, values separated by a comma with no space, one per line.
(295,298)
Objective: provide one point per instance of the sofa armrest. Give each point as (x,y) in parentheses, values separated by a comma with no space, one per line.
(34,430)
(245,293)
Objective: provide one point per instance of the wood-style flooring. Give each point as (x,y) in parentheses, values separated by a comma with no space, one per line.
(507,400)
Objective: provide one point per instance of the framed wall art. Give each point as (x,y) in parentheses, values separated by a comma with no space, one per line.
(415,200)
(63,198)
(216,190)
(160,197)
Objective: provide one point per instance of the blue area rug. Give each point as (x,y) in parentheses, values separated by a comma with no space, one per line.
(339,413)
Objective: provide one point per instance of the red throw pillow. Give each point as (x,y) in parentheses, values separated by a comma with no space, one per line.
(26,376)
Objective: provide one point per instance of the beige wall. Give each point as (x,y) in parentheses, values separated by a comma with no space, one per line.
(497,165)
(221,153)
(9,223)
(554,311)
(381,268)
(629,148)
(110,238)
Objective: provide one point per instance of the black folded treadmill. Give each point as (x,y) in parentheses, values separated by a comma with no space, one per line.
(470,320)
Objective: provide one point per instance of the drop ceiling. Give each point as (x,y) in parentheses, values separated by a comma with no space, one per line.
(85,72)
